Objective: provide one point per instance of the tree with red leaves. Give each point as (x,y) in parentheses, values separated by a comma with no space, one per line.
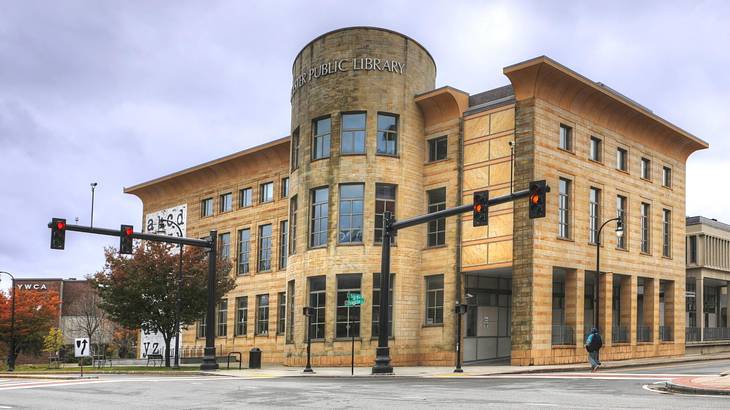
(35,313)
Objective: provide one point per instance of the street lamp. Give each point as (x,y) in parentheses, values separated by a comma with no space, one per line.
(619,233)
(93,187)
(308,311)
(11,352)
(177,299)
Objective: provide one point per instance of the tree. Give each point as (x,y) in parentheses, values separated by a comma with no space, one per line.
(53,342)
(89,319)
(35,313)
(141,291)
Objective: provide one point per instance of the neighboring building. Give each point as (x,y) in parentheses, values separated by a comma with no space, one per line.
(300,217)
(708,276)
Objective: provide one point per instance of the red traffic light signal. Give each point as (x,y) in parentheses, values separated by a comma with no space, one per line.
(125,239)
(537,198)
(481,208)
(58,233)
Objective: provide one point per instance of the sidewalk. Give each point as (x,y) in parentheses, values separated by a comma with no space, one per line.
(712,385)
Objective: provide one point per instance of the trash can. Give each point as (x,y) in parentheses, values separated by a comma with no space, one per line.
(254,358)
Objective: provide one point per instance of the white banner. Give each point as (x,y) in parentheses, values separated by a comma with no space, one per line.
(155,222)
(153,343)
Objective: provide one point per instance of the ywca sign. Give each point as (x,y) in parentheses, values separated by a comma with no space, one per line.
(32,286)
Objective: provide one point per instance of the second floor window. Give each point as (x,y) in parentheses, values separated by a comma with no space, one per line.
(437,228)
(387,134)
(283,244)
(224,245)
(266,192)
(595,149)
(351,211)
(667,177)
(566,138)
(321,138)
(206,207)
(265,247)
(645,209)
(645,168)
(244,248)
(666,233)
(384,201)
(594,214)
(293,225)
(352,138)
(285,187)
(437,149)
(320,217)
(295,149)
(245,197)
(621,213)
(226,202)
(621,159)
(564,208)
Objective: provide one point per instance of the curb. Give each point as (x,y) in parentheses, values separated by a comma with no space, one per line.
(681,388)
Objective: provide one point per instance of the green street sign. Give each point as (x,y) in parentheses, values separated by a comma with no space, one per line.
(354,299)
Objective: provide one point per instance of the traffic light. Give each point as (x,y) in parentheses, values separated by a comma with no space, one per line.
(125,239)
(481,208)
(58,233)
(538,191)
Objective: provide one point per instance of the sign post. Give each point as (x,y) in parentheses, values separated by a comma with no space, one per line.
(81,350)
(353,299)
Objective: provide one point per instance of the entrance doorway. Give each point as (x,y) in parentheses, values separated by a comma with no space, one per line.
(488,330)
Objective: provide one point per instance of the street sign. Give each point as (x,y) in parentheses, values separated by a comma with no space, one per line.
(81,347)
(354,299)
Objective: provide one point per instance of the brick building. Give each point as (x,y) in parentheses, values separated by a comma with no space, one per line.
(300,216)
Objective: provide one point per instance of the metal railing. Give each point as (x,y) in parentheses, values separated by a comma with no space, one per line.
(620,334)
(643,334)
(692,334)
(563,335)
(717,333)
(665,333)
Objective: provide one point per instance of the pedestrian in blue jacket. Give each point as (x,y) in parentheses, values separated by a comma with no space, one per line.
(593,346)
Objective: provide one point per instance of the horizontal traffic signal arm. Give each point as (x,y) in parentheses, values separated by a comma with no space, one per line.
(138,235)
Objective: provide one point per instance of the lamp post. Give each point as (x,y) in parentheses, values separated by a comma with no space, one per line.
(93,187)
(619,233)
(11,352)
(459,309)
(308,313)
(177,297)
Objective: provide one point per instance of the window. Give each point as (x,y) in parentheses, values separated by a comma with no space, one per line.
(387,134)
(293,226)
(595,149)
(321,138)
(244,249)
(265,233)
(317,301)
(646,168)
(295,149)
(352,138)
(283,244)
(566,137)
(222,318)
(594,214)
(348,317)
(202,327)
(226,202)
(667,177)
(621,213)
(667,233)
(224,245)
(437,149)
(437,228)
(245,197)
(290,312)
(351,209)
(384,201)
(285,187)
(621,155)
(281,318)
(206,207)
(320,217)
(241,315)
(692,249)
(645,227)
(266,192)
(434,300)
(262,314)
(564,209)
(376,305)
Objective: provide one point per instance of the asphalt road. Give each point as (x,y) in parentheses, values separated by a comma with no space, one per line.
(604,390)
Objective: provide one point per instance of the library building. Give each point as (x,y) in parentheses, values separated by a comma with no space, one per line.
(301,217)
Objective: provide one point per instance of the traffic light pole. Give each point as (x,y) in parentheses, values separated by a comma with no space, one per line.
(390,228)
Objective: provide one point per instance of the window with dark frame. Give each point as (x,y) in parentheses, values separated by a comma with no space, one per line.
(295,149)
(206,207)
(437,148)
(621,159)
(347,323)
(284,187)
(320,217)
(692,249)
(283,244)
(244,249)
(224,245)
(293,225)
(321,138)
(241,315)
(317,301)
(646,169)
(352,135)
(564,208)
(667,177)
(245,197)
(281,317)
(222,318)
(435,300)
(594,214)
(376,305)
(645,218)
(621,213)
(266,192)
(596,149)
(226,202)
(436,234)
(566,137)
(265,239)
(387,143)
(202,327)
(351,213)
(290,312)
(385,195)
(262,314)
(666,233)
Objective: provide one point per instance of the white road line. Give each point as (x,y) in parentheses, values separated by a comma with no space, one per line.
(69,383)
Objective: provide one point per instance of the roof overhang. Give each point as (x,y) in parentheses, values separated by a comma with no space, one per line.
(442,104)
(546,79)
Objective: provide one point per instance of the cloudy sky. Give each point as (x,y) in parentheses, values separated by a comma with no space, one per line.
(123,92)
